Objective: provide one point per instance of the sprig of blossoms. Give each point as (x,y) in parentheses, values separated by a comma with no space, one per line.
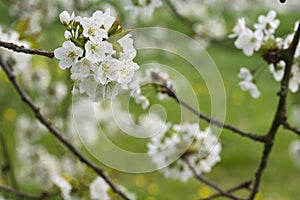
(201,148)
(263,40)
(251,41)
(154,77)
(100,53)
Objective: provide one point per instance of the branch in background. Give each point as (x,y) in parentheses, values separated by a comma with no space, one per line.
(25,195)
(287,126)
(58,135)
(287,55)
(23,49)
(208,182)
(185,20)
(7,166)
(171,93)
(245,185)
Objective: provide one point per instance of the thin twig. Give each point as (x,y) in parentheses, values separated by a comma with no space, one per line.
(245,185)
(27,100)
(208,182)
(280,117)
(185,20)
(287,126)
(23,49)
(21,194)
(215,122)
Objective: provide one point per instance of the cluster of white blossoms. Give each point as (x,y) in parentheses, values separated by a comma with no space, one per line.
(252,40)
(262,40)
(141,7)
(200,148)
(99,52)
(152,77)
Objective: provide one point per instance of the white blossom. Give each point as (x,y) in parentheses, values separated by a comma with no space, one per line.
(68,54)
(92,29)
(247,83)
(99,190)
(96,51)
(239,28)
(277,71)
(81,69)
(64,187)
(251,87)
(294,78)
(249,41)
(245,74)
(65,17)
(104,19)
(268,24)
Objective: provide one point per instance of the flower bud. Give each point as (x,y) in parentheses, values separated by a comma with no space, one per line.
(65,17)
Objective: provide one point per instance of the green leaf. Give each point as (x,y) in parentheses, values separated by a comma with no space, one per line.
(115,38)
(22,26)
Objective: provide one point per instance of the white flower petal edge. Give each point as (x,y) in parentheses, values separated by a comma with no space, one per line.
(68,54)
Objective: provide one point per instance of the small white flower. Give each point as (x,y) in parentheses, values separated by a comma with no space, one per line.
(99,189)
(239,28)
(64,186)
(110,68)
(140,99)
(104,19)
(90,86)
(93,30)
(126,72)
(129,51)
(294,79)
(81,69)
(268,24)
(277,72)
(249,41)
(251,87)
(65,17)
(111,90)
(247,83)
(68,54)
(97,51)
(294,151)
(245,74)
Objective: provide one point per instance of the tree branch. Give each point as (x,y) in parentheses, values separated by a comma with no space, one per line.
(287,126)
(25,195)
(185,20)
(22,49)
(36,110)
(245,185)
(208,182)
(171,93)
(286,55)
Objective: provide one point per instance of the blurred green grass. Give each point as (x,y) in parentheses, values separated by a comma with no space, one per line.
(240,156)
